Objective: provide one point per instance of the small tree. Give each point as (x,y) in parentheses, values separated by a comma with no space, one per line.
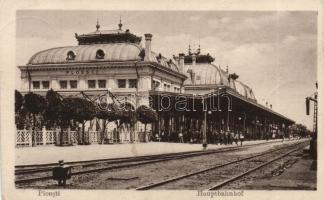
(35,105)
(19,100)
(20,112)
(146,115)
(108,113)
(127,116)
(54,111)
(79,110)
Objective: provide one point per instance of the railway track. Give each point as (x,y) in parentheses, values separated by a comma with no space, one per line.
(31,173)
(223,174)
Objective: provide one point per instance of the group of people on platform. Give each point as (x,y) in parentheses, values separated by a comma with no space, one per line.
(196,137)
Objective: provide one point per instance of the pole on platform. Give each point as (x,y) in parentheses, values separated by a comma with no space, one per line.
(205,130)
(227,122)
(204,143)
(244,123)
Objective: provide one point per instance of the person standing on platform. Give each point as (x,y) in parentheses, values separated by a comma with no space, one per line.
(169,136)
(232,136)
(162,136)
(195,136)
(180,135)
(185,136)
(115,137)
(149,136)
(200,133)
(222,137)
(226,138)
(241,137)
(236,137)
(218,137)
(190,136)
(214,136)
(282,135)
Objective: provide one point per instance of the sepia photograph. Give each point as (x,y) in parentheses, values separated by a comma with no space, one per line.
(166,100)
(161,100)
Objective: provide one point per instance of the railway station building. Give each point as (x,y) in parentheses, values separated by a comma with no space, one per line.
(189,93)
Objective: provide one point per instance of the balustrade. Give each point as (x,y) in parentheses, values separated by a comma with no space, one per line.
(50,137)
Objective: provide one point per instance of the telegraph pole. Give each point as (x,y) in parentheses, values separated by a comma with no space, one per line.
(313,142)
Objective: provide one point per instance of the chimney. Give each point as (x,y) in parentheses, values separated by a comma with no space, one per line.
(181,62)
(193,78)
(193,59)
(148,39)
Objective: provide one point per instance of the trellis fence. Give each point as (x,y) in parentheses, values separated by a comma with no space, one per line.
(50,137)
(69,137)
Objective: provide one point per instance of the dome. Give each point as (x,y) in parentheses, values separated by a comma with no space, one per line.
(87,53)
(113,52)
(205,74)
(209,74)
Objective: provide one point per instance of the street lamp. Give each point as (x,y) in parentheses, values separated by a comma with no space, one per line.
(204,143)
(205,129)
(244,119)
(244,122)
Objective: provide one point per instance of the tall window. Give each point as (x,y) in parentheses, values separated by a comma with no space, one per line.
(102,83)
(45,84)
(63,84)
(36,84)
(73,84)
(91,83)
(121,83)
(132,83)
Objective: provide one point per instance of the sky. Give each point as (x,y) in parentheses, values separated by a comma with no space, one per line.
(275,53)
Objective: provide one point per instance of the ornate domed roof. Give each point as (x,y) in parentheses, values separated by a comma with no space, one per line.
(205,74)
(209,74)
(112,52)
(87,53)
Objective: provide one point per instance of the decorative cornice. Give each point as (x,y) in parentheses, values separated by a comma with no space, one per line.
(100,65)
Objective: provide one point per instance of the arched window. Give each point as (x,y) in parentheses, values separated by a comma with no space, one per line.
(70,55)
(100,54)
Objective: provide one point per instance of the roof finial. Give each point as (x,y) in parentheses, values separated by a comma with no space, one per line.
(226,68)
(189,50)
(120,24)
(98,25)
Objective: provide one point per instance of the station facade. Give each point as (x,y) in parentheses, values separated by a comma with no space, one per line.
(116,61)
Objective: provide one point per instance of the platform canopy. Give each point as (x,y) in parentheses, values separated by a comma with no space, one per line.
(219,101)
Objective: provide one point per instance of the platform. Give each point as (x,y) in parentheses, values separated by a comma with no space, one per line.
(51,154)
